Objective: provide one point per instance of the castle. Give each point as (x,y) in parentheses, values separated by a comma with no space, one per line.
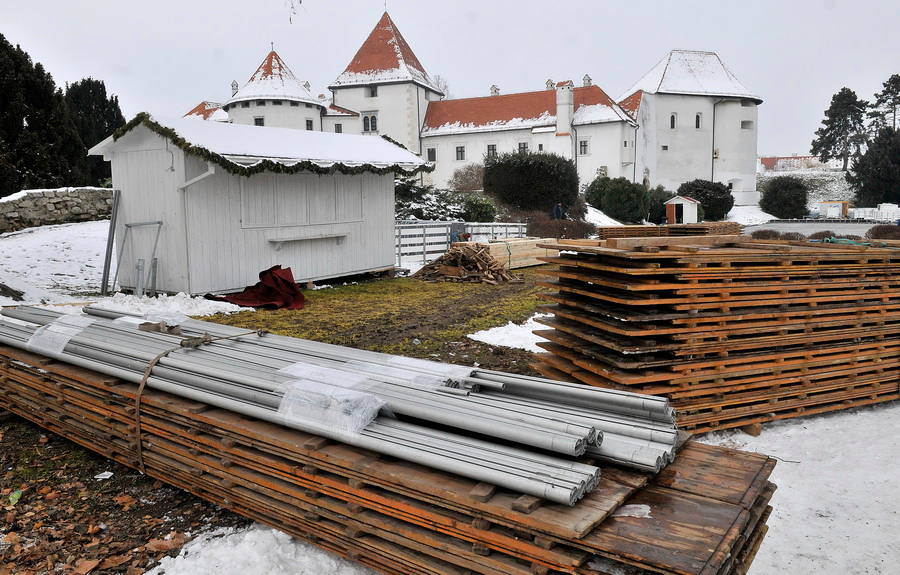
(689,117)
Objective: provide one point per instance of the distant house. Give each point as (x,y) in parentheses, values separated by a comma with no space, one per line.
(215,203)
(682,210)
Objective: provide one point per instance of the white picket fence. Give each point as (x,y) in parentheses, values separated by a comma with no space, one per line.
(423,240)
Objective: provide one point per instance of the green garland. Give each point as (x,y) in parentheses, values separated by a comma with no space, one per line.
(144,119)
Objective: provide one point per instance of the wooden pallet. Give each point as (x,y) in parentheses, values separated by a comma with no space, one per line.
(398,517)
(515,253)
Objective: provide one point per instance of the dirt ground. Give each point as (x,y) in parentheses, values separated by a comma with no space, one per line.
(57,518)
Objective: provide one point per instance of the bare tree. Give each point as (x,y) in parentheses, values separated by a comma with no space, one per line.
(441,83)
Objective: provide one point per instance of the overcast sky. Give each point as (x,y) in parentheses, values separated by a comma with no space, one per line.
(165,56)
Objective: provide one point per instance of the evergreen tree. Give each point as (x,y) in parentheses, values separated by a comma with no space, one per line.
(883,111)
(875,176)
(39,145)
(96,116)
(842,134)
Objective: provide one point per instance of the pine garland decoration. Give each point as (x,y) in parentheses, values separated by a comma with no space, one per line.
(145,120)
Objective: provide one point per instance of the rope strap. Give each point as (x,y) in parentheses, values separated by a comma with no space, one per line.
(189,343)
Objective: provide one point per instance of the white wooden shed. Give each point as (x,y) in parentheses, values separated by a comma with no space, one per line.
(681,210)
(217,203)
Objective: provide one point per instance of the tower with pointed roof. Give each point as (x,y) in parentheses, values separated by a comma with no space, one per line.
(387,85)
(273,96)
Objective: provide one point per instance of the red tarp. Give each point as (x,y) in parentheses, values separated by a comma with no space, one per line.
(276,290)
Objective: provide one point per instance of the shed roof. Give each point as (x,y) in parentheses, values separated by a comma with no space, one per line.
(681,199)
(273,80)
(517,111)
(246,150)
(691,72)
(385,57)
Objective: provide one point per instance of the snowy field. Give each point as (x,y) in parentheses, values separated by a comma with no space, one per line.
(836,511)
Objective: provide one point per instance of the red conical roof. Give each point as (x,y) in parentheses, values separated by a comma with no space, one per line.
(273,80)
(385,57)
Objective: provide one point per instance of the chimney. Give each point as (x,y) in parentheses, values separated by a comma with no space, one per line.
(495,91)
(586,81)
(234,87)
(565,106)
(549,83)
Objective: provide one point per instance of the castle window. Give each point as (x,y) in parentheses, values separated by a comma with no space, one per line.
(245,104)
(460,153)
(372,92)
(665,148)
(698,121)
(523,147)
(746,103)
(260,102)
(259,121)
(276,102)
(746,124)
(295,104)
(309,105)
(583,148)
(492,150)
(540,147)
(338,128)
(309,124)
(370,123)
(431,154)
(673,122)
(625,144)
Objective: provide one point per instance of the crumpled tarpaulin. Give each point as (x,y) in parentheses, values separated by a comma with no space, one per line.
(276,290)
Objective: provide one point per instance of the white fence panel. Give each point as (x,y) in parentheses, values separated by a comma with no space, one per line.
(427,240)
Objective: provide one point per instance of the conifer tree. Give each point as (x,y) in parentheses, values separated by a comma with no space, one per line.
(883,111)
(842,134)
(96,116)
(39,146)
(875,176)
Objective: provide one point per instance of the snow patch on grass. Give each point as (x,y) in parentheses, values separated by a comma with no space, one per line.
(598,218)
(513,334)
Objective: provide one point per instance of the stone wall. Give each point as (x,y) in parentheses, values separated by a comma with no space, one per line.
(45,207)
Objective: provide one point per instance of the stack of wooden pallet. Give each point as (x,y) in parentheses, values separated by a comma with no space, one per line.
(514,253)
(705,514)
(698,229)
(734,331)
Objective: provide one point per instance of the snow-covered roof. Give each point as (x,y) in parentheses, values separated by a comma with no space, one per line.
(206,110)
(385,57)
(273,80)
(681,200)
(693,73)
(525,110)
(246,150)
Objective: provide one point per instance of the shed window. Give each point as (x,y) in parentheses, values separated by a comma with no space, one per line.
(245,104)
(431,154)
(338,128)
(698,121)
(460,153)
(582,147)
(372,92)
(523,147)
(673,121)
(746,124)
(260,102)
(492,150)
(259,121)
(276,102)
(295,104)
(309,124)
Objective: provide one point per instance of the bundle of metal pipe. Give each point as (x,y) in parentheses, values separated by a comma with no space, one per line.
(248,375)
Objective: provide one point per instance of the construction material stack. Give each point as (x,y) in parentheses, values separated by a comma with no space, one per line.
(514,253)
(734,331)
(478,472)
(698,229)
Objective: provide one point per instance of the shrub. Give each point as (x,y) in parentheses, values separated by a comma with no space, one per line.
(884,232)
(531,181)
(785,197)
(715,197)
(821,235)
(656,200)
(541,224)
(478,208)
(765,235)
(793,236)
(618,198)
(468,178)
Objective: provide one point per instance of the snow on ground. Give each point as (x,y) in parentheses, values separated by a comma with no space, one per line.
(255,550)
(163,305)
(53,263)
(598,218)
(749,215)
(837,507)
(513,335)
(23,193)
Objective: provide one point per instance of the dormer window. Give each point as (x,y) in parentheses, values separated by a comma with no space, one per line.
(673,121)
(372,91)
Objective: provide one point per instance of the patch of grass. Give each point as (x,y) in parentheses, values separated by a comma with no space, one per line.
(402,316)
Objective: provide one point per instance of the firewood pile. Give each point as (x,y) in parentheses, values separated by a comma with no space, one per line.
(467,263)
